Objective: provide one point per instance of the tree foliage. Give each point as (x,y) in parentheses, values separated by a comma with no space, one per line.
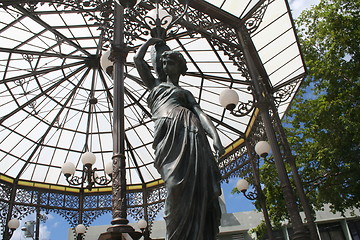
(325,128)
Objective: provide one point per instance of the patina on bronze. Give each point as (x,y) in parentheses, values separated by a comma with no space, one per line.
(183,155)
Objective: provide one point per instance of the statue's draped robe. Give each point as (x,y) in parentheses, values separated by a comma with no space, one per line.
(185,161)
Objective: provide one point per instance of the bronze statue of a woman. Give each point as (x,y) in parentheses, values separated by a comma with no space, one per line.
(183,155)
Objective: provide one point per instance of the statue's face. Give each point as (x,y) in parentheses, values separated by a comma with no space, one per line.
(170,67)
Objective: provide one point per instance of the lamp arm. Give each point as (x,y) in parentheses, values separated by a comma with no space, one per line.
(243,108)
(250,195)
(103,180)
(75,180)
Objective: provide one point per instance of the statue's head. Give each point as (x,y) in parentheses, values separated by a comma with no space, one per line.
(178,58)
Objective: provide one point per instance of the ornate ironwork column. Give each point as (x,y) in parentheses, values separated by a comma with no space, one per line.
(119,205)
(300,232)
(290,158)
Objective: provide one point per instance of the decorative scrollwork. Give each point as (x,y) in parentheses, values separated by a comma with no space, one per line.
(234,163)
(102,180)
(244,108)
(19,82)
(254,21)
(72,201)
(75,180)
(251,195)
(154,209)
(235,55)
(21,211)
(89,216)
(56,199)
(71,216)
(28,57)
(24,196)
(104,201)
(135,198)
(283,94)
(5,192)
(136,213)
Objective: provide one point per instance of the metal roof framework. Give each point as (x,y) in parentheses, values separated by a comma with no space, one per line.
(56,101)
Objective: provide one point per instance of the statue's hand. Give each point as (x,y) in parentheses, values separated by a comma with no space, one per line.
(218,147)
(153,41)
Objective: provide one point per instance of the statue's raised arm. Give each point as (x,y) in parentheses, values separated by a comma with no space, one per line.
(143,67)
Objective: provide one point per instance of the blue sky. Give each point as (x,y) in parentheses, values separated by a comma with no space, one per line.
(56,228)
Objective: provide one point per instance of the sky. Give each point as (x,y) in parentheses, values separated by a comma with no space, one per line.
(56,227)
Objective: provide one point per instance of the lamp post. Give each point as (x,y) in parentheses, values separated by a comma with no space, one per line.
(158,22)
(119,50)
(262,148)
(242,185)
(89,174)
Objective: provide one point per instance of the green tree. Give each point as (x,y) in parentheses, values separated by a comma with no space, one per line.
(325,128)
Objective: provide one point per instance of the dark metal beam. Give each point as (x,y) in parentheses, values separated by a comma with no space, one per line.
(213,12)
(136,101)
(45,54)
(5,117)
(42,138)
(227,126)
(130,150)
(41,72)
(50,28)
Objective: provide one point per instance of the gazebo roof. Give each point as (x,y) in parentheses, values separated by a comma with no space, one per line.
(56,102)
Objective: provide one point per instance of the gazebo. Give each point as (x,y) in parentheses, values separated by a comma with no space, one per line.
(56,101)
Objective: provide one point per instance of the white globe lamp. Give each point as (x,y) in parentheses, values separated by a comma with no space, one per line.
(80,229)
(242,185)
(142,224)
(68,169)
(229,99)
(106,64)
(13,223)
(109,168)
(88,158)
(262,148)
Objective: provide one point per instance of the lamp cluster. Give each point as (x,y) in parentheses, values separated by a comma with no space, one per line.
(262,148)
(89,174)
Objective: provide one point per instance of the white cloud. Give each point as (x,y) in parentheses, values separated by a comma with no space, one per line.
(297,6)
(56,224)
(45,233)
